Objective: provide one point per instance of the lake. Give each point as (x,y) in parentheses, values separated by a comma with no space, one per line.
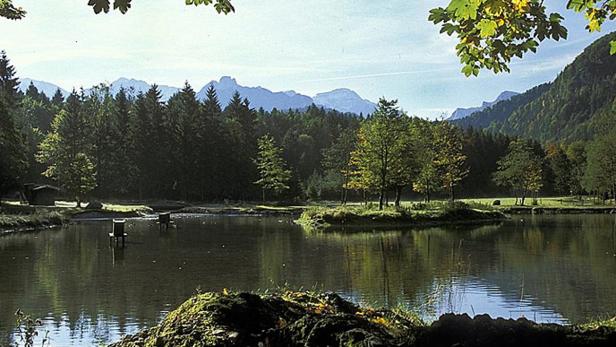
(546,268)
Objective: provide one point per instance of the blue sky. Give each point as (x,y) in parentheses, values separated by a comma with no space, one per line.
(377,48)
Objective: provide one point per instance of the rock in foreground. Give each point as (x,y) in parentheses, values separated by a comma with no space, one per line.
(306,319)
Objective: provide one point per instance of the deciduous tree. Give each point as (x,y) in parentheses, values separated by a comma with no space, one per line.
(449,160)
(520,170)
(273,174)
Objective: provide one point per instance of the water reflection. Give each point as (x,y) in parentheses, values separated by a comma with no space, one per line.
(548,268)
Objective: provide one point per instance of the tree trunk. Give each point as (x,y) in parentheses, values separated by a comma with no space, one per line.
(452,196)
(398,193)
(263,194)
(381,199)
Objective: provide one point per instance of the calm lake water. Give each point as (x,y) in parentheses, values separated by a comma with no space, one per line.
(547,268)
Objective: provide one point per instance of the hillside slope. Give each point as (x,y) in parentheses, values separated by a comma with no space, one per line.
(578,104)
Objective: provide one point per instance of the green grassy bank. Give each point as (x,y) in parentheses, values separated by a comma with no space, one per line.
(409,216)
(17,217)
(316,319)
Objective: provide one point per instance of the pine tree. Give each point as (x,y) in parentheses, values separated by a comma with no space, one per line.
(98,107)
(9,83)
(125,146)
(239,126)
(186,113)
(58,99)
(274,176)
(12,160)
(213,147)
(152,134)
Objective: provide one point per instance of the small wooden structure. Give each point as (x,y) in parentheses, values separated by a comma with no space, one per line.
(164,219)
(41,194)
(118,231)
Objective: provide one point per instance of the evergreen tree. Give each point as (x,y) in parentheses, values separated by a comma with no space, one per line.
(186,112)
(98,108)
(9,83)
(152,145)
(58,99)
(273,174)
(240,122)
(12,160)
(213,147)
(125,165)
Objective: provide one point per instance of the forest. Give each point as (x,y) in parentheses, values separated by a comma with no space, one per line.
(134,146)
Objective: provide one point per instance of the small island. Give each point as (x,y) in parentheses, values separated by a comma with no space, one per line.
(413,216)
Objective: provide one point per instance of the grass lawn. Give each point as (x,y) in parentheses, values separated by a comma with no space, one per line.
(553,202)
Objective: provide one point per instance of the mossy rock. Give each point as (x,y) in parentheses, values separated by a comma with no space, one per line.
(287,319)
(313,319)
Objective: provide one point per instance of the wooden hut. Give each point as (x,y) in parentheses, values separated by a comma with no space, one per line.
(41,194)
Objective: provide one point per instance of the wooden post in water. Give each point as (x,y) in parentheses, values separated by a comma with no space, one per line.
(164,219)
(118,231)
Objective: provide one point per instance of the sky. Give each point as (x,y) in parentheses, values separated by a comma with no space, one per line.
(377,48)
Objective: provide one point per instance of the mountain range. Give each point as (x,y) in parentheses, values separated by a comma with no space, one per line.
(460,113)
(342,100)
(577,105)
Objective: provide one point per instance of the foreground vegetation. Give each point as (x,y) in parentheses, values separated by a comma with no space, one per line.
(27,221)
(316,319)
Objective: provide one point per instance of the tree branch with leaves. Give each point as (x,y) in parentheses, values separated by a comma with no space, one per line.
(493,32)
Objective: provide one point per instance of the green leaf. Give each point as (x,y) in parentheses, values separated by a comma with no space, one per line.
(486,28)
(99,5)
(612,47)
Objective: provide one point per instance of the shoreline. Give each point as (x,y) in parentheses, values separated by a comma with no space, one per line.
(23,218)
(559,210)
